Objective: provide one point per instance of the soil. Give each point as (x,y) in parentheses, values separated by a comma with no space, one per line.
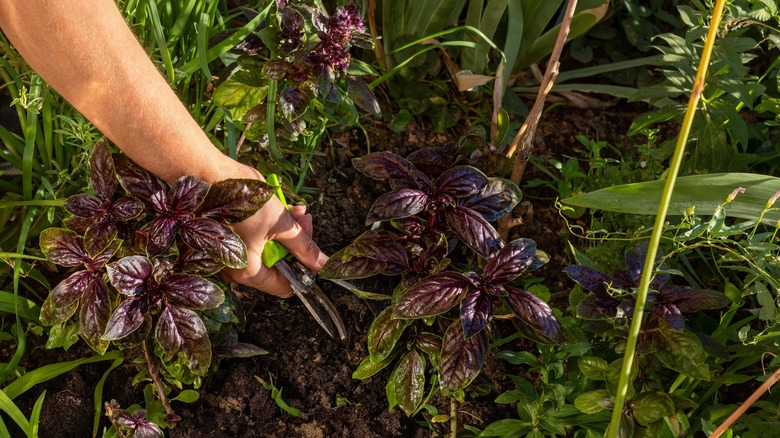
(312,370)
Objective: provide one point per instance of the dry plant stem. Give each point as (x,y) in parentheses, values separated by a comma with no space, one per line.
(523,142)
(110,415)
(157,383)
(747,404)
(379,50)
(453,418)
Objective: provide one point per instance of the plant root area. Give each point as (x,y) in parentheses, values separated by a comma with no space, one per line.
(313,371)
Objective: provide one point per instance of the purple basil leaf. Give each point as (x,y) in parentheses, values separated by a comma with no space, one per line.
(216,240)
(243,350)
(94,315)
(234,200)
(428,343)
(461,181)
(136,180)
(325,76)
(510,261)
(535,313)
(598,306)
(293,102)
(52,314)
(127,318)
(69,290)
(384,333)
(187,193)
(400,203)
(126,208)
(461,358)
(99,235)
(144,428)
(275,69)
(434,160)
(496,199)
(362,96)
(180,331)
(341,266)
(159,202)
(79,224)
(101,170)
(129,275)
(63,247)
(589,278)
(408,381)
(84,205)
(432,296)
(389,166)
(162,233)
(473,230)
(635,261)
(690,300)
(106,254)
(197,263)
(381,246)
(475,312)
(191,292)
(670,314)
(292,20)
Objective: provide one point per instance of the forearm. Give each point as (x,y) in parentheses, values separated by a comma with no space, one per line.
(86,52)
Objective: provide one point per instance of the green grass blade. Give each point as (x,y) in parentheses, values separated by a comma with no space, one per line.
(203,23)
(587,72)
(10,303)
(211,54)
(48,372)
(33,203)
(611,90)
(3,430)
(98,398)
(9,407)
(159,36)
(705,192)
(393,27)
(514,40)
(30,132)
(35,416)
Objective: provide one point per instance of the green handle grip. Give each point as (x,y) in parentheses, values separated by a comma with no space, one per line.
(274,251)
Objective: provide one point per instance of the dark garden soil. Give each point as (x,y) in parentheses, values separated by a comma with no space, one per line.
(312,370)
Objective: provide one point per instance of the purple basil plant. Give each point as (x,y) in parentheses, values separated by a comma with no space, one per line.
(439,235)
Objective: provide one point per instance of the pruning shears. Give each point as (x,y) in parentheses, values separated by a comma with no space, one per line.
(302,281)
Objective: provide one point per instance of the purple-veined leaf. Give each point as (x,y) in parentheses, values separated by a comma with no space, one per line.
(475,312)
(51,314)
(162,233)
(362,96)
(384,333)
(275,69)
(84,205)
(160,203)
(99,235)
(461,181)
(293,102)
(589,278)
(382,246)
(598,305)
(106,254)
(69,290)
(94,314)
(137,336)
(428,343)
(681,351)
(535,313)
(635,261)
(408,381)
(389,166)
(101,170)
(187,193)
(397,204)
(434,160)
(191,292)
(197,263)
(78,224)
(461,358)
(498,197)
(138,424)
(124,209)
(670,314)
(129,274)
(292,20)
(136,180)
(216,240)
(510,261)
(473,230)
(181,332)
(432,296)
(234,200)
(341,266)
(690,300)
(63,247)
(324,76)
(127,318)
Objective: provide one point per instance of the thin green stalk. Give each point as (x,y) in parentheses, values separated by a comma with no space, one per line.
(270,120)
(655,238)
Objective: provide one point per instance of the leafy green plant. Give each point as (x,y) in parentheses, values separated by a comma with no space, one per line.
(457,275)
(155,246)
(295,76)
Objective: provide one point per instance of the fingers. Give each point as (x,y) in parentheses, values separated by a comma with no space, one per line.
(262,278)
(295,235)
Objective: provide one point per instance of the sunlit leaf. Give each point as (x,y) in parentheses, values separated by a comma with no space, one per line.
(129,274)
(234,200)
(649,407)
(461,358)
(510,261)
(127,317)
(180,331)
(216,240)
(162,233)
(389,166)
(95,311)
(498,197)
(408,381)
(397,204)
(362,96)
(293,102)
(432,296)
(101,170)
(136,180)
(461,181)
(99,235)
(343,267)
(473,230)
(187,193)
(475,312)
(681,351)
(593,401)
(69,290)
(84,205)
(63,247)
(191,292)
(384,333)
(535,313)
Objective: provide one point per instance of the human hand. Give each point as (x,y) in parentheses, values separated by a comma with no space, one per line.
(293,229)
